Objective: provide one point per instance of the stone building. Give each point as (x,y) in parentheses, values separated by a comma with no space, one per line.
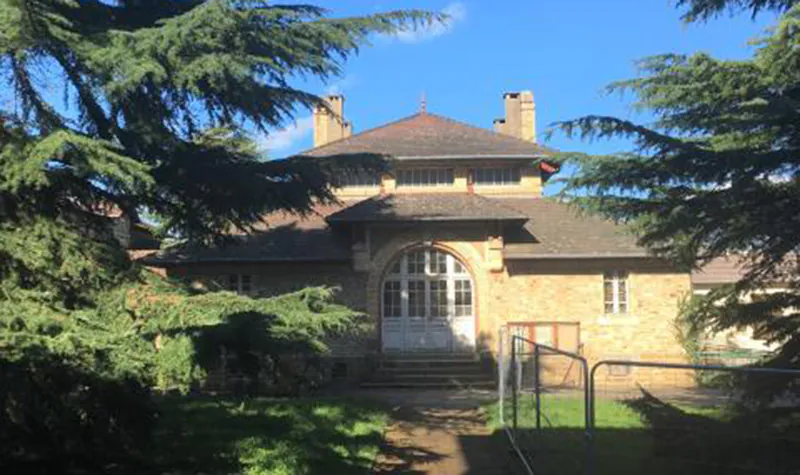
(455,243)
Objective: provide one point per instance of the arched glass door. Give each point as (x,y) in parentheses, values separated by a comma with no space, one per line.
(427,303)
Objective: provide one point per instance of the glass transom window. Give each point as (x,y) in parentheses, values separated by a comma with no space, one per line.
(427,284)
(420,177)
(501,176)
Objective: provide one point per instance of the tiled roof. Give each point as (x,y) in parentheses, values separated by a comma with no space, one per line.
(282,237)
(431,136)
(556,230)
(722,270)
(427,207)
(551,230)
(284,243)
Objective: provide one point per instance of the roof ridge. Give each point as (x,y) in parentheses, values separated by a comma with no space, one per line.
(482,129)
(363,132)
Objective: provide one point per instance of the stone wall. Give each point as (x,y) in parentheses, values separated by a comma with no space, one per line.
(544,290)
(572,291)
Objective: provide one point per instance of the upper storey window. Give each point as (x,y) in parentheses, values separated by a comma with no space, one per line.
(361,179)
(425,177)
(506,176)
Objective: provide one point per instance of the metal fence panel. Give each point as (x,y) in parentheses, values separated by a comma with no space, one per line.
(667,418)
(645,417)
(544,405)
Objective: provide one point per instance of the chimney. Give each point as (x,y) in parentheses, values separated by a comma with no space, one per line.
(499,125)
(329,125)
(520,121)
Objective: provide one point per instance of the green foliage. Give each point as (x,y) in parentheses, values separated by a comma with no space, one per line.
(717,173)
(60,416)
(264,436)
(165,94)
(700,10)
(159,100)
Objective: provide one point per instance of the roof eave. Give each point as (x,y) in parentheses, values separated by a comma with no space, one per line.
(473,156)
(240,260)
(455,219)
(609,255)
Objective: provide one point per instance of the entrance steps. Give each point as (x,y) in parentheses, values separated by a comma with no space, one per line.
(431,371)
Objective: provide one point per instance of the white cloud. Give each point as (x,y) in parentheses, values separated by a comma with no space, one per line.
(289,136)
(301,128)
(457,12)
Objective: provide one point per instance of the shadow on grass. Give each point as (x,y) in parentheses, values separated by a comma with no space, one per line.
(208,435)
(646,435)
(731,440)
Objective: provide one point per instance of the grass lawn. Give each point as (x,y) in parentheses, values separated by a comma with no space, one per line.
(653,439)
(268,436)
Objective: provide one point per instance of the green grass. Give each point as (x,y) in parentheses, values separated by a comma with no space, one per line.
(268,436)
(652,438)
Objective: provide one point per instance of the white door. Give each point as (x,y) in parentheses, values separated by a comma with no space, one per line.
(427,304)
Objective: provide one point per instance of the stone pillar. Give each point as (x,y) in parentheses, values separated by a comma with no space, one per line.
(494,253)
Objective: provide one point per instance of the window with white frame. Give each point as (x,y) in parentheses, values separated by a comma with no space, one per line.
(240,283)
(500,176)
(421,177)
(392,306)
(427,283)
(615,291)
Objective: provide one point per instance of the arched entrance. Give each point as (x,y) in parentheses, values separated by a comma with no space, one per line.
(427,303)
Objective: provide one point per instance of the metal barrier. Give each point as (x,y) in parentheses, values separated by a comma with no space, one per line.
(659,417)
(540,389)
(631,417)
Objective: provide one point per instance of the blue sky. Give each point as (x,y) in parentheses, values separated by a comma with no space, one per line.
(565,52)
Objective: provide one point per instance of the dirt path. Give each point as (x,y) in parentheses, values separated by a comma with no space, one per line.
(442,433)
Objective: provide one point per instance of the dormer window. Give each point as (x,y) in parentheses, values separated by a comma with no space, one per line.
(423,177)
(496,176)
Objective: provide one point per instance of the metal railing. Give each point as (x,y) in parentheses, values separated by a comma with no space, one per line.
(533,382)
(563,416)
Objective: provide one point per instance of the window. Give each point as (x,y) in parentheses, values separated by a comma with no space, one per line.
(416,298)
(463,297)
(392,307)
(620,370)
(363,179)
(438,298)
(425,177)
(427,283)
(615,292)
(496,176)
(240,283)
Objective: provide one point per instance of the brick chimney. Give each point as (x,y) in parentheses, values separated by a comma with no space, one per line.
(330,125)
(520,120)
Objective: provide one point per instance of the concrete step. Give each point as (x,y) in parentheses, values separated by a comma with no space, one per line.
(422,377)
(435,369)
(432,363)
(429,384)
(429,356)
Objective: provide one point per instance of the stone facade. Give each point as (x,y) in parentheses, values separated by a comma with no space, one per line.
(530,266)
(566,291)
